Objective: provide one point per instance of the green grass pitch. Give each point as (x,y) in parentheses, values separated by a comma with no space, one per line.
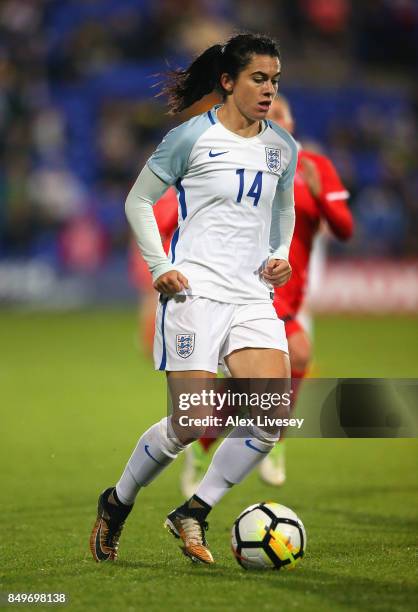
(76,394)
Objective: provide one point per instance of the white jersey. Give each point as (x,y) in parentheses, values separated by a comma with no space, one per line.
(226,185)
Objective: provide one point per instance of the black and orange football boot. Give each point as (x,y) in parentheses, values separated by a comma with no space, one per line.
(104,539)
(189,525)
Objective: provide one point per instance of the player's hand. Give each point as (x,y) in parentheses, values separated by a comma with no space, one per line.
(311,176)
(171,282)
(277,272)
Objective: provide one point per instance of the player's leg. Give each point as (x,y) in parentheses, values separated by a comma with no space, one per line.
(236,456)
(273,467)
(188,521)
(197,455)
(156,449)
(300,351)
(245,447)
(161,443)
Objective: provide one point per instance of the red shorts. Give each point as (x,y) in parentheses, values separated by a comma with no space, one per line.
(288,315)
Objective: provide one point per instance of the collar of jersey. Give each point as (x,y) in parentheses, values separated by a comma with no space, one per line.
(214,111)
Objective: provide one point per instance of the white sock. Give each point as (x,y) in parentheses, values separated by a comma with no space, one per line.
(237,456)
(154,452)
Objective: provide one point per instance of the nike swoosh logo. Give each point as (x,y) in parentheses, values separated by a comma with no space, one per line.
(99,552)
(250,445)
(216,154)
(146,448)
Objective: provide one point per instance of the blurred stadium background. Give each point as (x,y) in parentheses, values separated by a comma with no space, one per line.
(78,118)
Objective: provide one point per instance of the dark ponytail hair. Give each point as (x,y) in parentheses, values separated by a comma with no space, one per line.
(184,87)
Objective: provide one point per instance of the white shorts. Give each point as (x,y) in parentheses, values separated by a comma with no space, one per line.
(196,333)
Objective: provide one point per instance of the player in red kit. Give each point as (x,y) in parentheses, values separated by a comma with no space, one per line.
(319,196)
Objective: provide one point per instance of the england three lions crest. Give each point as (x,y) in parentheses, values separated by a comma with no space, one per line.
(185,345)
(273,159)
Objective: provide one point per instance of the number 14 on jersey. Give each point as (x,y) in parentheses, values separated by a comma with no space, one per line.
(255,189)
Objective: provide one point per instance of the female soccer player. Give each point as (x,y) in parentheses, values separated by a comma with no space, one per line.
(233,171)
(319,196)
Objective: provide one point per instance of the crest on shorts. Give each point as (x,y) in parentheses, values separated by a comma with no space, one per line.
(185,345)
(273,159)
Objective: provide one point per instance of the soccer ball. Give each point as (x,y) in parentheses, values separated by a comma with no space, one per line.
(268,536)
